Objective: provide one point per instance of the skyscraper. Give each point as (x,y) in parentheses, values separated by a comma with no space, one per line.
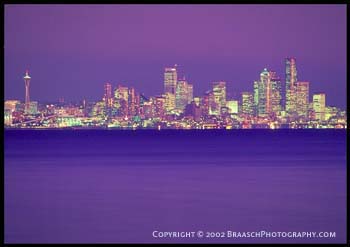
(190,93)
(169,102)
(261,94)
(26,83)
(267,94)
(170,80)
(319,106)
(291,79)
(108,95)
(181,96)
(302,98)
(275,94)
(247,103)
(219,94)
(121,95)
(131,102)
(160,102)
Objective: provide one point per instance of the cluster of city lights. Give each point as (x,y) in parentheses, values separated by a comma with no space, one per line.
(122,107)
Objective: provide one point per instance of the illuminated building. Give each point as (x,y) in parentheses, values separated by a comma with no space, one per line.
(170,80)
(132,104)
(160,106)
(8,117)
(108,95)
(197,101)
(181,96)
(194,111)
(219,97)
(331,112)
(26,83)
(205,103)
(98,109)
(214,107)
(261,93)
(121,96)
(291,79)
(302,98)
(190,93)
(247,103)
(319,105)
(148,109)
(169,102)
(32,108)
(267,94)
(12,105)
(232,106)
(275,94)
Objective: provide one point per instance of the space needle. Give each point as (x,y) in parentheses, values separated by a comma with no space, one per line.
(26,83)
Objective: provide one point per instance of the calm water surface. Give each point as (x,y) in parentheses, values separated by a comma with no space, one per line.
(107,186)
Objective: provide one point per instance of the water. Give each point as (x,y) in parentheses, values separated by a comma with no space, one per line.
(107,186)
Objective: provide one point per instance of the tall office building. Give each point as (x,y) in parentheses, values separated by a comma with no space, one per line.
(190,93)
(261,89)
(291,79)
(160,108)
(108,95)
(170,80)
(181,96)
(247,103)
(275,94)
(121,96)
(319,106)
(132,104)
(219,97)
(169,102)
(27,79)
(267,94)
(205,103)
(302,98)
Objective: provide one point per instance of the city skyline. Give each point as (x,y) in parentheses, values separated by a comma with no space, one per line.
(180,77)
(268,104)
(128,47)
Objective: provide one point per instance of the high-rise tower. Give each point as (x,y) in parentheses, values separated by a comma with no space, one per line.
(108,95)
(170,80)
(291,79)
(26,83)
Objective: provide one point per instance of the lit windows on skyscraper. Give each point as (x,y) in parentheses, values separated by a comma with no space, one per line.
(219,97)
(108,95)
(205,103)
(160,102)
(181,95)
(131,102)
(302,98)
(247,103)
(267,94)
(169,102)
(232,106)
(291,79)
(319,106)
(121,95)
(190,93)
(170,80)
(275,94)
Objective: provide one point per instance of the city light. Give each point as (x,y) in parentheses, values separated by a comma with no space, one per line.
(122,107)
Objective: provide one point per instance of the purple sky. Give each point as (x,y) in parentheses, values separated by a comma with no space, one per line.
(72,50)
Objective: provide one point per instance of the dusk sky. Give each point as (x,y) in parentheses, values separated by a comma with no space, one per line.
(72,50)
